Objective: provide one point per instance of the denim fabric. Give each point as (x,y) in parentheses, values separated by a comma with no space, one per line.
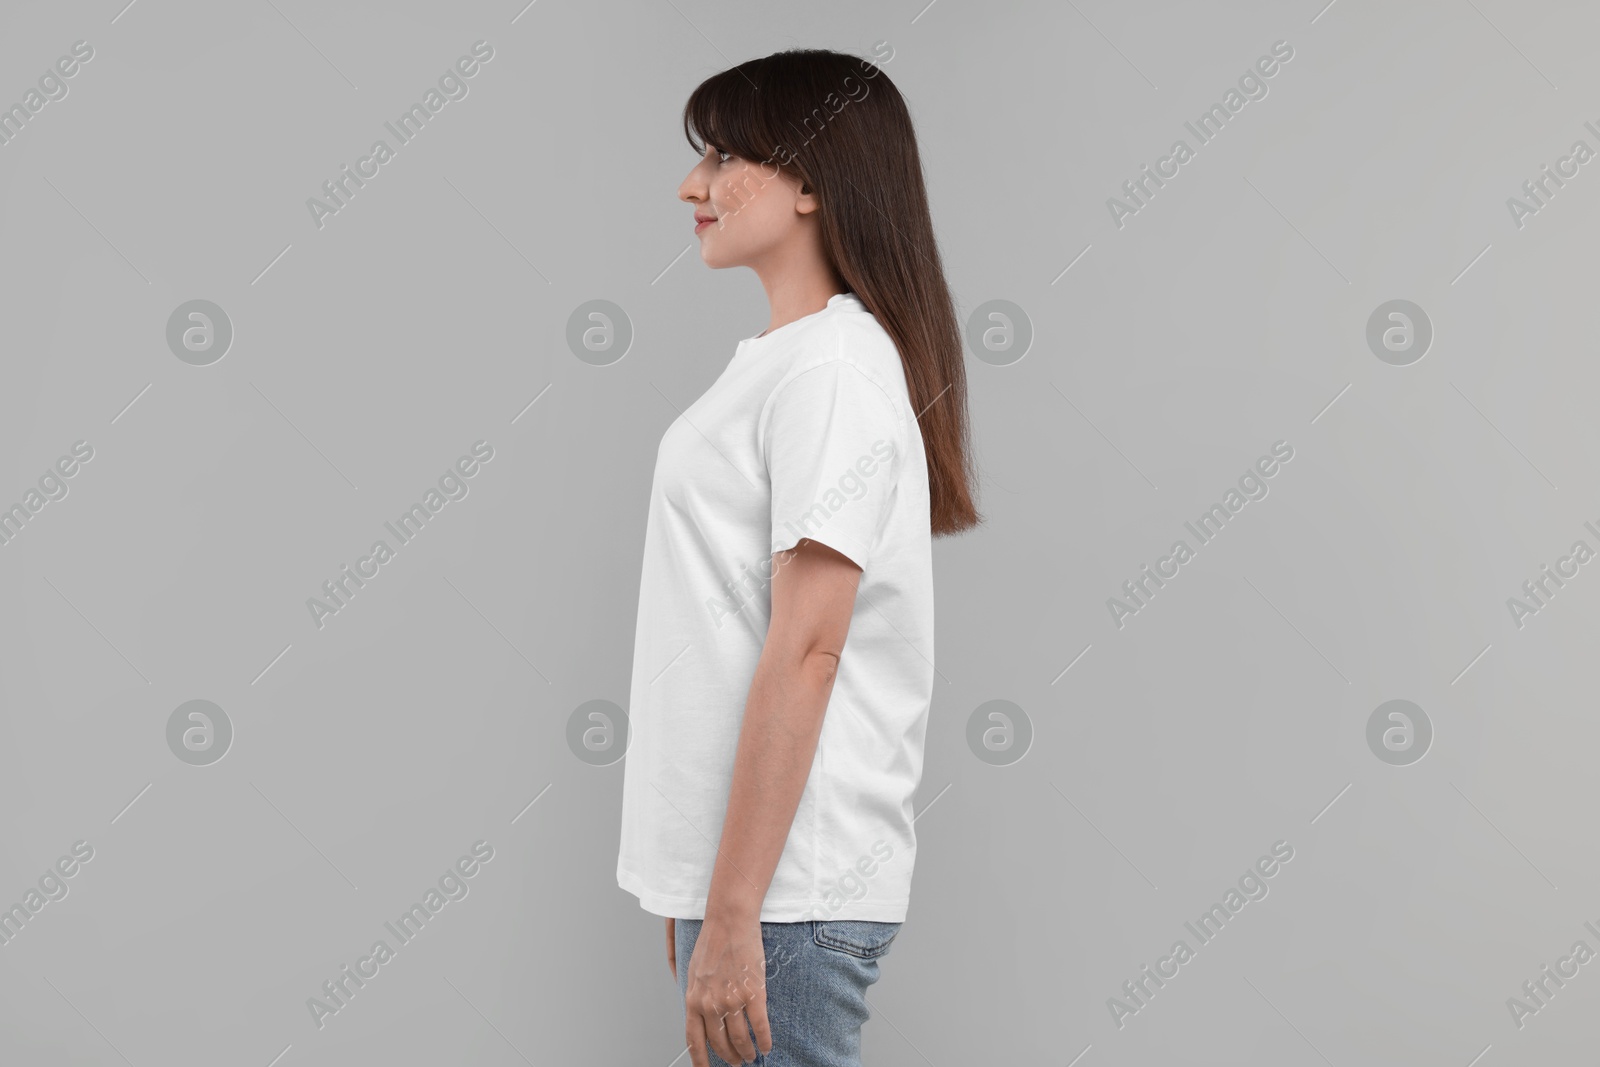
(817,978)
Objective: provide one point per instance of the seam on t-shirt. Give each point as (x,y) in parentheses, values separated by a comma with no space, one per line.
(816,806)
(693,903)
(894,409)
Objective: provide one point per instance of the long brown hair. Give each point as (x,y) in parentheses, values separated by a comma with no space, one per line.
(838,124)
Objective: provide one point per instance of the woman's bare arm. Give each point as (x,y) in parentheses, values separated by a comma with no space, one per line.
(813,596)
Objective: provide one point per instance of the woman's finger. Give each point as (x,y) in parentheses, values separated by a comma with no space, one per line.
(694,1035)
(739,1035)
(672,949)
(718,1029)
(757,1012)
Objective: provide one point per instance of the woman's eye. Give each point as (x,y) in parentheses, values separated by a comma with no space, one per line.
(726,155)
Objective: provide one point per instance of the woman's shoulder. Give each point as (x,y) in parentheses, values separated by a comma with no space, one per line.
(857,340)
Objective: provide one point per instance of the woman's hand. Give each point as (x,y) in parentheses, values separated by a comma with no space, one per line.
(672,950)
(727,992)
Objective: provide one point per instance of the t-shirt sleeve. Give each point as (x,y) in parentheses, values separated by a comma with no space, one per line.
(830,442)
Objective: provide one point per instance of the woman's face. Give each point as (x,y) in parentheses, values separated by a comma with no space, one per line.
(756,210)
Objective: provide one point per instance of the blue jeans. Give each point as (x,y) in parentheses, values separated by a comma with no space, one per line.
(817,978)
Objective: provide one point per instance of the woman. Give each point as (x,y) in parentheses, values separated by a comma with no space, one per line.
(767,788)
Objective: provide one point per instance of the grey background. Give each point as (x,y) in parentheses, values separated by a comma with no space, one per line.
(368,355)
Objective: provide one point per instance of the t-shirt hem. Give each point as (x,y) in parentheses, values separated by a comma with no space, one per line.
(772,911)
(841,543)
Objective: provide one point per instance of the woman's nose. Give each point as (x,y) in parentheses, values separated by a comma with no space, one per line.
(694,188)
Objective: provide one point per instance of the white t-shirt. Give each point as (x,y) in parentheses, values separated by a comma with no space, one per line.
(807,433)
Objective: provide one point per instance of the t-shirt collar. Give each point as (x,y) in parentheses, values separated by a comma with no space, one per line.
(834,301)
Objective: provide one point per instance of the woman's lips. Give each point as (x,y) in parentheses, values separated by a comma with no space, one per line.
(703,224)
